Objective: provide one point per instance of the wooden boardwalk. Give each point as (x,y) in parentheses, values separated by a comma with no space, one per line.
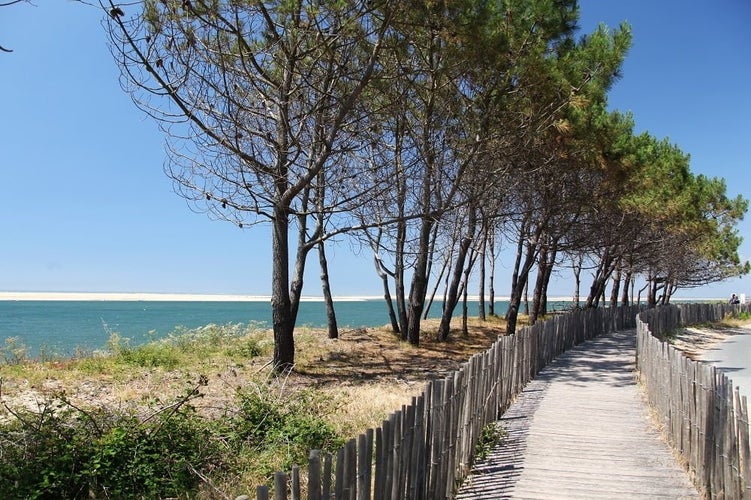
(581,430)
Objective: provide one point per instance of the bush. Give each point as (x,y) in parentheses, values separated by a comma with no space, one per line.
(281,432)
(14,352)
(63,451)
(67,452)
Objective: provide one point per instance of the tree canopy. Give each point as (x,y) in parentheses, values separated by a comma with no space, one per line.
(429,131)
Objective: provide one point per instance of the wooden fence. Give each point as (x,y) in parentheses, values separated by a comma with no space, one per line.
(703,417)
(425,450)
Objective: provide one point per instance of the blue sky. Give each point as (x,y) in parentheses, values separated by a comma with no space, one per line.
(85,205)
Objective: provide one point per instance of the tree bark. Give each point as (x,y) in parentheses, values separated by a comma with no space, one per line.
(399,286)
(452,297)
(626,285)
(333,329)
(521,276)
(616,287)
(281,313)
(577,281)
(419,286)
(546,261)
(383,274)
(387,298)
(491,278)
(481,291)
(604,270)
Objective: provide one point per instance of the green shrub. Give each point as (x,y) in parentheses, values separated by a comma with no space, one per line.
(252,348)
(152,355)
(491,435)
(66,452)
(63,451)
(281,431)
(157,459)
(14,352)
(45,454)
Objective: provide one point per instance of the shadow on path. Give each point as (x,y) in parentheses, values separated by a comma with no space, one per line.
(580,430)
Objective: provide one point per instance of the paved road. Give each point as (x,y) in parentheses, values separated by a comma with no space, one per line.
(733,357)
(581,430)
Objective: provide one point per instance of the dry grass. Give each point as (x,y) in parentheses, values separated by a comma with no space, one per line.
(366,374)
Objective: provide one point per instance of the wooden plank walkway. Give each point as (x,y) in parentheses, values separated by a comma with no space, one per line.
(581,430)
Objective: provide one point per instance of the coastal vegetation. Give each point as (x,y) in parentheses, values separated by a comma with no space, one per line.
(432,133)
(202,414)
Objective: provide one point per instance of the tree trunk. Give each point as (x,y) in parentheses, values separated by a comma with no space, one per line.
(516,294)
(651,288)
(616,287)
(281,313)
(399,286)
(604,270)
(390,306)
(526,297)
(552,256)
(384,275)
(542,262)
(515,289)
(577,280)
(452,297)
(465,311)
(545,260)
(452,293)
(419,286)
(491,278)
(624,293)
(481,291)
(330,312)
(435,289)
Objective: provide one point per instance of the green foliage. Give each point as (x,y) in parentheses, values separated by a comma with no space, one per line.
(14,352)
(170,352)
(282,433)
(491,435)
(67,452)
(151,356)
(64,451)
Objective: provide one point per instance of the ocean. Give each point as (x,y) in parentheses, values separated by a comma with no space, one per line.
(61,327)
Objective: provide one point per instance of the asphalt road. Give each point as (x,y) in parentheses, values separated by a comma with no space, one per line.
(733,357)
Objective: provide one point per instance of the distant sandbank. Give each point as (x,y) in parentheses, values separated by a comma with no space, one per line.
(207,297)
(145,297)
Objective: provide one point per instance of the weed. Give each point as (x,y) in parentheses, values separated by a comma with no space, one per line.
(491,436)
(670,336)
(14,352)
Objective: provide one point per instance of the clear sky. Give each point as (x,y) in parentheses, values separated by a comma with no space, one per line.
(85,205)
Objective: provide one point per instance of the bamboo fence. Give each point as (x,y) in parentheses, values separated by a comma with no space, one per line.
(425,450)
(703,417)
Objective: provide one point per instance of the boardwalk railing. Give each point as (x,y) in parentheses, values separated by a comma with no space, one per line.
(424,450)
(703,417)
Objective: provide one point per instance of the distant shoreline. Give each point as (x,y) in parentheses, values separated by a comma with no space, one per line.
(207,297)
(153,297)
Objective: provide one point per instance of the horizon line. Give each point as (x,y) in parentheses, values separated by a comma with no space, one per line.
(218,297)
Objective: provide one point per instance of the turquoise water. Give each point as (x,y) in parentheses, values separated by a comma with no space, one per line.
(62,326)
